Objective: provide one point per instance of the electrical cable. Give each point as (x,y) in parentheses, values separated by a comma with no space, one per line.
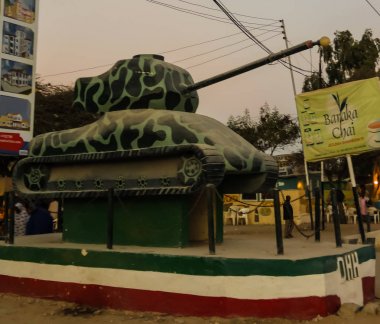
(212,40)
(237,14)
(201,43)
(222,47)
(169,51)
(201,14)
(374,9)
(253,38)
(229,53)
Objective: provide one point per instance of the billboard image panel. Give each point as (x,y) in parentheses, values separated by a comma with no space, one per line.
(16,77)
(340,120)
(23,10)
(18,29)
(17,40)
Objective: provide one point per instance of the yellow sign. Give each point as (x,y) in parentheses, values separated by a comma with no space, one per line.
(340,120)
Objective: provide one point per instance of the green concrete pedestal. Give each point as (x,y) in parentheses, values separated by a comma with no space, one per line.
(166,221)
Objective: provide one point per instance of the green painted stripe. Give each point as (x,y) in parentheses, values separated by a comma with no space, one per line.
(190,265)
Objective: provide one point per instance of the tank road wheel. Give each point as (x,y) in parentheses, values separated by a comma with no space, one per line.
(98,183)
(121,183)
(165,181)
(61,184)
(79,184)
(142,182)
(189,170)
(36,177)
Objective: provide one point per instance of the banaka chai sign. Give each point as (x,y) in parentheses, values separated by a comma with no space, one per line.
(340,120)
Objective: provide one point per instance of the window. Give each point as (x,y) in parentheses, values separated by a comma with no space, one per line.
(258,196)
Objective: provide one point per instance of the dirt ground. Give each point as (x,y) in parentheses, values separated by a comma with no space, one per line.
(26,310)
(19,310)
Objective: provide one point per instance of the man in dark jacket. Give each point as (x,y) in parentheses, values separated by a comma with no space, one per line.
(40,221)
(288,217)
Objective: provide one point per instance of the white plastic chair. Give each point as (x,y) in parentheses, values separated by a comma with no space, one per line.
(232,214)
(376,219)
(329,213)
(372,211)
(351,214)
(243,214)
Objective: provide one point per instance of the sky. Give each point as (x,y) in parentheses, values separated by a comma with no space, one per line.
(91,35)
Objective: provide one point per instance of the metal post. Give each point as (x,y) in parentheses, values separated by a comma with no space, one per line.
(338,237)
(6,213)
(317,215)
(210,190)
(359,216)
(356,198)
(277,218)
(308,194)
(323,207)
(5,225)
(308,189)
(60,215)
(110,219)
(11,217)
(289,59)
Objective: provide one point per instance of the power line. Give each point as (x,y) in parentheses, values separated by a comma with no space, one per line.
(201,14)
(229,53)
(238,24)
(222,47)
(212,40)
(201,43)
(237,14)
(74,71)
(165,52)
(374,9)
(169,51)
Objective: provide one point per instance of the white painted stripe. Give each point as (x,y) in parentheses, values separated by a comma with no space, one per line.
(241,287)
(350,291)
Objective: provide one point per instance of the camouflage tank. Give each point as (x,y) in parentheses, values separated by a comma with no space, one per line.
(148,140)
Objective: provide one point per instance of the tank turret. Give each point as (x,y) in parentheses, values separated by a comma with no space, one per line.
(148,141)
(147,81)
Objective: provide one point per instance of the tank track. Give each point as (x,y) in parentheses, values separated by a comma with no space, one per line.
(170,170)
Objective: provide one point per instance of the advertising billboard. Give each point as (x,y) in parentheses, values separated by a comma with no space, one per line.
(340,120)
(18,29)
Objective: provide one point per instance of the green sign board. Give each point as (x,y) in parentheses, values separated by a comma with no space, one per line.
(340,120)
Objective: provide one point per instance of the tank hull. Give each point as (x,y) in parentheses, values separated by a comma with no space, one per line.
(142,152)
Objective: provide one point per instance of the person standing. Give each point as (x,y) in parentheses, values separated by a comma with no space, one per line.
(288,217)
(21,217)
(363,209)
(40,221)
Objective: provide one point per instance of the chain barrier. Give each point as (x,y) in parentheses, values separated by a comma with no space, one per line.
(298,228)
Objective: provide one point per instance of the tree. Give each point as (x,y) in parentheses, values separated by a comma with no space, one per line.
(347,60)
(271,132)
(53,110)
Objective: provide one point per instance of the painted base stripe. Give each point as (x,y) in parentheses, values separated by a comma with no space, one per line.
(181,264)
(247,287)
(368,285)
(133,299)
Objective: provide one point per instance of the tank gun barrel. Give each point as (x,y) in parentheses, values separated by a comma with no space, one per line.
(324,41)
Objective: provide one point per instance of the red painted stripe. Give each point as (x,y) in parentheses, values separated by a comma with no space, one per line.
(368,284)
(172,303)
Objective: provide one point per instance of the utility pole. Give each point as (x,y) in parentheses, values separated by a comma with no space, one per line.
(308,187)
